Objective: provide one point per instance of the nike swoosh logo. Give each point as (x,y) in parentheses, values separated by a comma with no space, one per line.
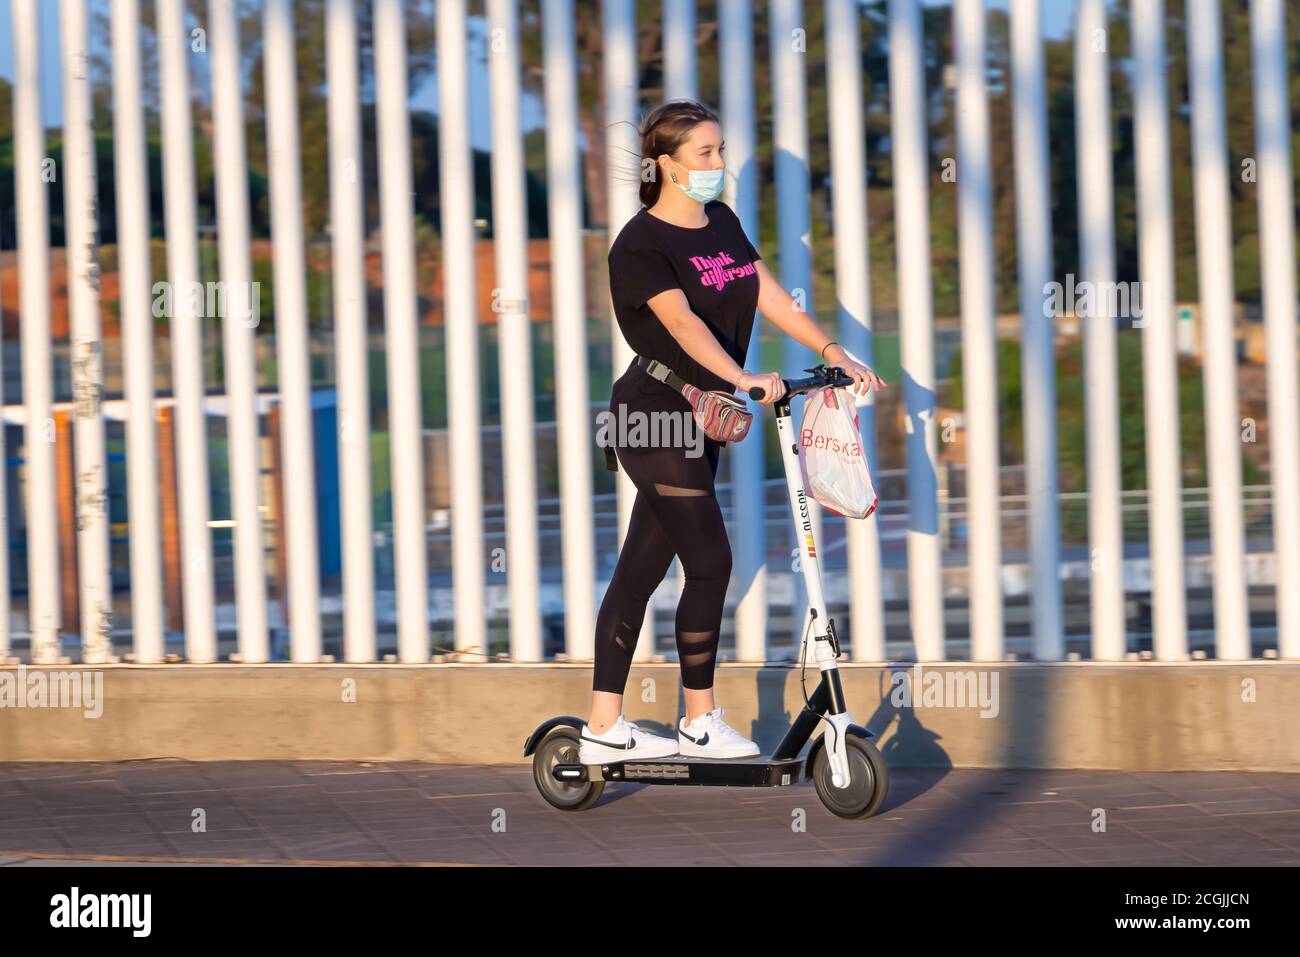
(701,740)
(631,743)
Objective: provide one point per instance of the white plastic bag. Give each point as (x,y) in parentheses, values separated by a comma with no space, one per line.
(831,456)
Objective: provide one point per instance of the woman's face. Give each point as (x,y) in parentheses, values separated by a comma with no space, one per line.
(702,150)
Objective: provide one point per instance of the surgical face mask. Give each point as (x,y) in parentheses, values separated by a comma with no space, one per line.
(705,184)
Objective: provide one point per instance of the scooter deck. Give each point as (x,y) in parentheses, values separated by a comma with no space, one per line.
(757,771)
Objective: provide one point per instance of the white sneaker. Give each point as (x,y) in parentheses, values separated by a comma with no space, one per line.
(708,736)
(621,741)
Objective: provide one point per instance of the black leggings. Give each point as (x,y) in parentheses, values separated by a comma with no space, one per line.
(676,512)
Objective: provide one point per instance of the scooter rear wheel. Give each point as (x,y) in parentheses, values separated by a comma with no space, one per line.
(560,746)
(868,780)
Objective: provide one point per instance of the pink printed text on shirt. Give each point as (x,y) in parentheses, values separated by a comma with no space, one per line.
(717,271)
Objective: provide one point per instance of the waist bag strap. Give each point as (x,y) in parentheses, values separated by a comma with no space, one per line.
(657,370)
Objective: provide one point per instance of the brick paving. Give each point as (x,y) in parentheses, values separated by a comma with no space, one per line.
(408,813)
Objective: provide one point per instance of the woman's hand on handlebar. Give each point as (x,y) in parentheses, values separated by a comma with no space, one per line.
(864,379)
(770,382)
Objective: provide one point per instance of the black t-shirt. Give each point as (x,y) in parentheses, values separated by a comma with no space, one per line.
(713,265)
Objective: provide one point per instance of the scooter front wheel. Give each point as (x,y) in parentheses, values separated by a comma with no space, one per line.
(868,780)
(560,746)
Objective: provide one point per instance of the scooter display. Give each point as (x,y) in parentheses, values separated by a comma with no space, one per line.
(844,763)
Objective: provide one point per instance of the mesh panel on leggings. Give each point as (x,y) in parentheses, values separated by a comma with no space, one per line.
(674,490)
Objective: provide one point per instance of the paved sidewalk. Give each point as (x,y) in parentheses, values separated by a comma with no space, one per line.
(305,812)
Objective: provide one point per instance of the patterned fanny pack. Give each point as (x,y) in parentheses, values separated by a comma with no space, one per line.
(720,415)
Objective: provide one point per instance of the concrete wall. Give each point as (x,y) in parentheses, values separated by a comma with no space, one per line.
(1133,715)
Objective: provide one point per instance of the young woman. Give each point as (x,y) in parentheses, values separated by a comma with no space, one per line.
(685,283)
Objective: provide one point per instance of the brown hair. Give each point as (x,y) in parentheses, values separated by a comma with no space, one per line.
(663,131)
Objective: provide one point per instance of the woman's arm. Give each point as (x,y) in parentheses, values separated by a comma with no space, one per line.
(779,306)
(674,311)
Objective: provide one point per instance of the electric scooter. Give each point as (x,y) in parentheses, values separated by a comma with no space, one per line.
(844,763)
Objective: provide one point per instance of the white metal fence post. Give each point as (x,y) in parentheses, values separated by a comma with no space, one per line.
(238,322)
(351,339)
(292,355)
(568,266)
(1277,261)
(180,218)
(1159,366)
(131,173)
(1038,327)
(1218,339)
(461,326)
(979,342)
(402,328)
(916,325)
(510,247)
(32,209)
(81,242)
(1101,369)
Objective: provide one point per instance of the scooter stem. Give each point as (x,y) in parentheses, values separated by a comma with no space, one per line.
(825,644)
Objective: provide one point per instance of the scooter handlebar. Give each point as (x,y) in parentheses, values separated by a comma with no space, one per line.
(821,376)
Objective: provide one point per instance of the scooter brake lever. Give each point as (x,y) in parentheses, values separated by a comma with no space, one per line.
(830,633)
